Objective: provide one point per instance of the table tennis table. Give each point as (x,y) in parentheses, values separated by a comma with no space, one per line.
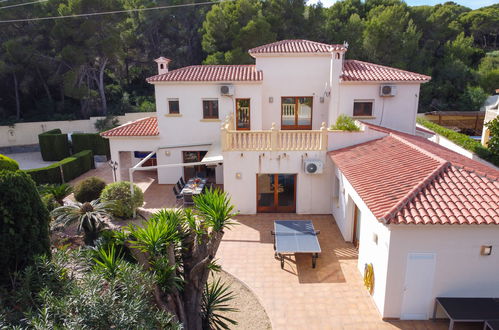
(295,236)
(468,309)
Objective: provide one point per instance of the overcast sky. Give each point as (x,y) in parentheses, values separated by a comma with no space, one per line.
(473,4)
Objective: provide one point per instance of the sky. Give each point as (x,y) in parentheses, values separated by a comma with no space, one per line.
(473,4)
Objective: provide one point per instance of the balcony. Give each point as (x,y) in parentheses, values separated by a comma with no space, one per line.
(273,139)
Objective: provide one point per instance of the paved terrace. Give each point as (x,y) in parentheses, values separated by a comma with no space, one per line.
(331,296)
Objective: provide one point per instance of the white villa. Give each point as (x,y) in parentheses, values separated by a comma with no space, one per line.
(424,217)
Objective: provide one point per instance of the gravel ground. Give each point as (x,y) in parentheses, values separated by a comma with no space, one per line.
(251,313)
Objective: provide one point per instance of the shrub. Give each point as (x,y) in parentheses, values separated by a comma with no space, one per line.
(125,203)
(53,145)
(89,189)
(7,163)
(106,123)
(461,140)
(24,224)
(72,167)
(90,141)
(345,123)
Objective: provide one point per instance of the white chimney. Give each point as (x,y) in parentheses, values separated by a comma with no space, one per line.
(162,64)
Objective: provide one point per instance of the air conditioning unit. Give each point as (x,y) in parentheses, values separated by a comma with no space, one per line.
(313,166)
(387,90)
(226,90)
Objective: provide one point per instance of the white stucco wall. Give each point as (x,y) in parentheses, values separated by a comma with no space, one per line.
(313,192)
(460,269)
(344,200)
(190,127)
(294,76)
(397,112)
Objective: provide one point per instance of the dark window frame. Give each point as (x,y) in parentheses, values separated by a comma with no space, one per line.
(363,108)
(170,101)
(209,111)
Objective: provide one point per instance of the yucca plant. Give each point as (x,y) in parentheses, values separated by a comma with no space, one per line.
(58,191)
(215,208)
(90,217)
(107,261)
(216,299)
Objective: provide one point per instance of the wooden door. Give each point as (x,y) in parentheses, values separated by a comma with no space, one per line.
(276,193)
(243,122)
(356,226)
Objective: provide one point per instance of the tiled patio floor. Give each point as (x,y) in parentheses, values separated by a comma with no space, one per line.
(332,296)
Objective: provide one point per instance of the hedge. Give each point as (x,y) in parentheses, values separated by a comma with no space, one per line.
(90,141)
(7,163)
(53,145)
(72,167)
(462,140)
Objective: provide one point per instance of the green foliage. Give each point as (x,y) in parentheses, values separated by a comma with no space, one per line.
(24,224)
(90,141)
(488,72)
(72,167)
(107,261)
(345,123)
(125,204)
(473,98)
(53,145)
(462,140)
(106,123)
(215,208)
(58,300)
(57,191)
(216,298)
(7,163)
(493,144)
(89,189)
(90,217)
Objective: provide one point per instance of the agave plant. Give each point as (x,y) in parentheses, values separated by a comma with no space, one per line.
(90,217)
(216,298)
(58,191)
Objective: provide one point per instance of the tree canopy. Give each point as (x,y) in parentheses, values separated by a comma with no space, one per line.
(97,65)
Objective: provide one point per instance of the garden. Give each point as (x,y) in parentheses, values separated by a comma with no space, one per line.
(72,259)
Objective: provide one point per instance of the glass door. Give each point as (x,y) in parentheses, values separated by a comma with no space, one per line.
(197,170)
(296,113)
(242,114)
(276,193)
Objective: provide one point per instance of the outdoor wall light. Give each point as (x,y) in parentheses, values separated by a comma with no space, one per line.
(242,155)
(271,99)
(239,175)
(321,99)
(375,238)
(486,250)
(167,153)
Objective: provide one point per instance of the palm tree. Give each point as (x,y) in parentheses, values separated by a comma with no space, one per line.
(90,217)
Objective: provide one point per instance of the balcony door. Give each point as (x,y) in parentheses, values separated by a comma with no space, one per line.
(276,193)
(296,113)
(243,114)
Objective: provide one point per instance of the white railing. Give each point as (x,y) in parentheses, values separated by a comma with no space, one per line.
(272,140)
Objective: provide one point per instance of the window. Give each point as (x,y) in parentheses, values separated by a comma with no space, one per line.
(296,113)
(210,109)
(362,108)
(173,106)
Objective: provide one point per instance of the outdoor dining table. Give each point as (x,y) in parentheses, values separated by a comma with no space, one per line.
(194,186)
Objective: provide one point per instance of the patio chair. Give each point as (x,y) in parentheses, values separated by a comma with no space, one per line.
(178,196)
(180,184)
(188,201)
(182,181)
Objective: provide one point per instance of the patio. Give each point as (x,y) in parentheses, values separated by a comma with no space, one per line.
(331,296)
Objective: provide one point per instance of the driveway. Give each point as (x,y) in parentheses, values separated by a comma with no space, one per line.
(331,296)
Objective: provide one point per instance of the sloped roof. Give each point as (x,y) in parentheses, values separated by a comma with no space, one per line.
(211,73)
(405,179)
(141,127)
(354,70)
(296,46)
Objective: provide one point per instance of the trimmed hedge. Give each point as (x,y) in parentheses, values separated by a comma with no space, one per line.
(90,141)
(462,140)
(53,145)
(7,163)
(72,167)
(89,189)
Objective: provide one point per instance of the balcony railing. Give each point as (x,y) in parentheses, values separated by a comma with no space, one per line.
(272,140)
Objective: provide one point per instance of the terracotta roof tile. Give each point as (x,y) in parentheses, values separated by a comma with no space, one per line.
(141,127)
(211,73)
(407,179)
(354,70)
(296,46)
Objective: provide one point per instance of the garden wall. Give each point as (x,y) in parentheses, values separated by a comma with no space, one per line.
(27,133)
